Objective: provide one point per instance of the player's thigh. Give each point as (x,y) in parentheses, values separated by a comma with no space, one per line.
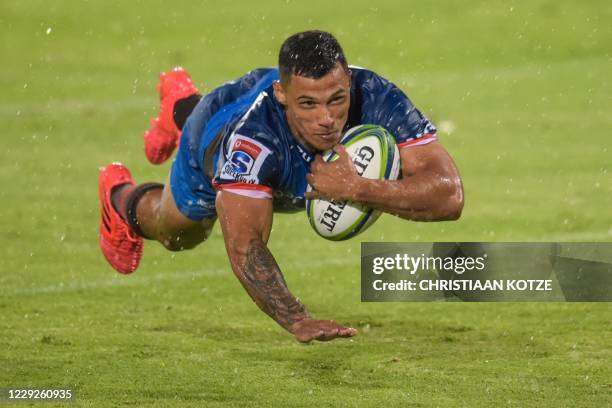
(179,231)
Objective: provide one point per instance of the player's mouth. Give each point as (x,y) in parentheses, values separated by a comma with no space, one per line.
(328,136)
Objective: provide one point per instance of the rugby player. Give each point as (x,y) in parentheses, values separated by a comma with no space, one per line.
(250,147)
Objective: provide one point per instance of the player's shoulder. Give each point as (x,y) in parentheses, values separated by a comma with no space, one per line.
(244,88)
(366,78)
(252,77)
(264,120)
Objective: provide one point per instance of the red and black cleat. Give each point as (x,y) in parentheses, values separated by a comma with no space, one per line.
(121,247)
(163,136)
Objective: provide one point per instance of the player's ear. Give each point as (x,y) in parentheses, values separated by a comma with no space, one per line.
(279,93)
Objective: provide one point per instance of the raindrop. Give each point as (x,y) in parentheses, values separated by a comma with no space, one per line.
(447,126)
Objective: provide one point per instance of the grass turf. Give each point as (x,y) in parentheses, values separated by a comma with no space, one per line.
(521,93)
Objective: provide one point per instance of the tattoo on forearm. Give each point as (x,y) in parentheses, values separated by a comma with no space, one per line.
(265,284)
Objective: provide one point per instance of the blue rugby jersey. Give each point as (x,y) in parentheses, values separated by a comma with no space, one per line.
(240,135)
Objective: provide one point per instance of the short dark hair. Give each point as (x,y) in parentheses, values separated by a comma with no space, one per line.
(311,54)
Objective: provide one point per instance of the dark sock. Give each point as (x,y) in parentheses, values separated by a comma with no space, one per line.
(128,202)
(124,199)
(118,196)
(183,108)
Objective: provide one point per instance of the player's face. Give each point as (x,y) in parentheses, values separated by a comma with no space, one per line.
(317,109)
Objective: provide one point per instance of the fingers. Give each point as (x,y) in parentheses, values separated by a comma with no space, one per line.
(310,179)
(318,160)
(316,164)
(310,195)
(327,335)
(303,337)
(347,332)
(342,331)
(324,330)
(321,335)
(342,153)
(335,332)
(314,194)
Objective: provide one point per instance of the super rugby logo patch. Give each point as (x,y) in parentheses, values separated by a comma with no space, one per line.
(244,161)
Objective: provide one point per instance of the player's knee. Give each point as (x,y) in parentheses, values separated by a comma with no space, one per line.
(172,245)
(182,242)
(176,244)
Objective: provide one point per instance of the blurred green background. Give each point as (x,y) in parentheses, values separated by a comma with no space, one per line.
(521,94)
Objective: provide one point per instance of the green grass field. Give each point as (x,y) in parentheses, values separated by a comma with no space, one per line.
(521,92)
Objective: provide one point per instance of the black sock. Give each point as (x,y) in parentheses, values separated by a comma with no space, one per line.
(124,199)
(129,202)
(116,196)
(183,108)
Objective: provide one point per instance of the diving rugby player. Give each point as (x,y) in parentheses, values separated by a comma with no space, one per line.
(250,147)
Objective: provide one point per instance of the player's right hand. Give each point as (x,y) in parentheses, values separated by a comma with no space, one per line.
(308,329)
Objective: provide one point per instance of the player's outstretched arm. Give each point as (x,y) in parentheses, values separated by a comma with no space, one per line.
(246,224)
(430,188)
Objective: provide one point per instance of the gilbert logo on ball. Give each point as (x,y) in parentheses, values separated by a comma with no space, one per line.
(375,156)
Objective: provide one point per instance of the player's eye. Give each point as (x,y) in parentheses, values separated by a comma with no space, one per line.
(307,104)
(337,100)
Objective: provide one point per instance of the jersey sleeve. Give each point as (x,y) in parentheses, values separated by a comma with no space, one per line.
(247,166)
(384,104)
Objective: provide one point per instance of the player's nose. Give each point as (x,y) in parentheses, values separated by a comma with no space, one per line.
(325,118)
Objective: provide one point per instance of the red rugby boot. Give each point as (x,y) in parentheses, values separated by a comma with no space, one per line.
(163,136)
(121,247)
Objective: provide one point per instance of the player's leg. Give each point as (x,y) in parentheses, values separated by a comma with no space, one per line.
(130,213)
(178,96)
(151,211)
(179,215)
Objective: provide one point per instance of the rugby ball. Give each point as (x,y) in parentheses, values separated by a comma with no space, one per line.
(375,156)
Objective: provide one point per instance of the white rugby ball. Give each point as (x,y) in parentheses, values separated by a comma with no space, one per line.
(375,156)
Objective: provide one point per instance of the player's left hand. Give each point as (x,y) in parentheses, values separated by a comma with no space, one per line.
(309,329)
(335,180)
